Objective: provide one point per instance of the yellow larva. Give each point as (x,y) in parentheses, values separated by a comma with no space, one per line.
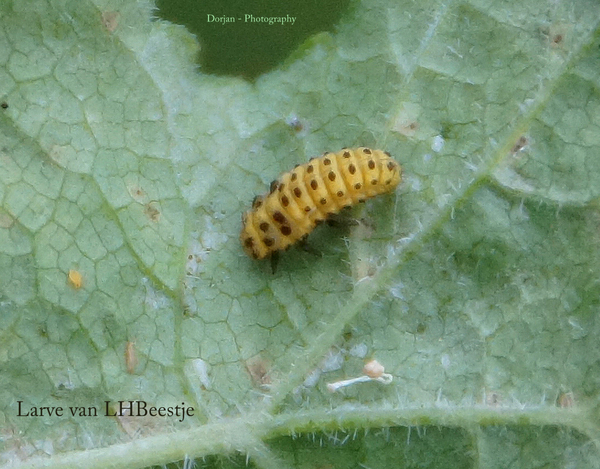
(307,195)
(75,279)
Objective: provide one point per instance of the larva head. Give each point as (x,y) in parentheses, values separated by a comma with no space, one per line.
(250,238)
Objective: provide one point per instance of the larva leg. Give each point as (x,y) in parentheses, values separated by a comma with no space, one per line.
(274,261)
(307,247)
(343,219)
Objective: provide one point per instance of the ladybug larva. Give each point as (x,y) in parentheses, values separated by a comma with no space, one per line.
(305,196)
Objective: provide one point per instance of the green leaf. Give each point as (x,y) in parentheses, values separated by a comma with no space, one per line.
(475,285)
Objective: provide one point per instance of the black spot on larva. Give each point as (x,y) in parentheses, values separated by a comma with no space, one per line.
(257,201)
(340,193)
(285,230)
(346,154)
(314,185)
(279,218)
(269,242)
(351,169)
(285,201)
(371,164)
(391,165)
(273,186)
(281,186)
(297,192)
(296,165)
(310,168)
(4,105)
(326,162)
(367,151)
(264,226)
(319,221)
(294,176)
(331,176)
(387,183)
(323,201)
(387,153)
(373,182)
(357,186)
(248,242)
(307,209)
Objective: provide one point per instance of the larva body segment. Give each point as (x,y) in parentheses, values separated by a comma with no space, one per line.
(301,198)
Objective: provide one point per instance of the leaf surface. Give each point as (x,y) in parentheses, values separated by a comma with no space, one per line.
(474,285)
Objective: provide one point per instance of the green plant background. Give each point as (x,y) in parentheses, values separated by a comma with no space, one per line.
(475,284)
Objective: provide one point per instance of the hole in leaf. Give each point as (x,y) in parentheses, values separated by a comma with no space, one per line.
(231,44)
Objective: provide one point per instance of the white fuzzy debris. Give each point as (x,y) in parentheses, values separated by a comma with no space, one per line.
(396,291)
(386,378)
(445,361)
(312,379)
(333,361)
(373,370)
(199,368)
(359,350)
(437,144)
